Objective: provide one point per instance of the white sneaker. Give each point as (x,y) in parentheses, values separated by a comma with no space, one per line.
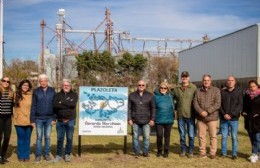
(253,158)
(67,158)
(57,159)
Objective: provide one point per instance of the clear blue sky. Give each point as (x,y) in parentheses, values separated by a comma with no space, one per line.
(186,19)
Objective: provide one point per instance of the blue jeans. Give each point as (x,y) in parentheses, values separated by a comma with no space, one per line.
(43,126)
(186,125)
(137,128)
(255,142)
(23,141)
(62,129)
(225,126)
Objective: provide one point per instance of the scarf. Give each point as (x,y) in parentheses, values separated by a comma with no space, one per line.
(253,94)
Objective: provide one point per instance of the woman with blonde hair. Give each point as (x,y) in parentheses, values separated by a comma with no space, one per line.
(164,117)
(22,110)
(6,111)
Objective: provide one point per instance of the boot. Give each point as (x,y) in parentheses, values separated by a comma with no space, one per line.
(1,160)
(166,153)
(159,153)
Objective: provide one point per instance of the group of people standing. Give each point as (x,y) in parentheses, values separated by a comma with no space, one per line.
(43,108)
(189,104)
(40,108)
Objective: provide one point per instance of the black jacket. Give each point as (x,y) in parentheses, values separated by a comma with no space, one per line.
(141,109)
(231,103)
(65,105)
(252,107)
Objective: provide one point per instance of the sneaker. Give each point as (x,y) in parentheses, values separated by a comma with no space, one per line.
(37,159)
(202,156)
(159,154)
(190,155)
(145,154)
(47,158)
(254,158)
(234,157)
(165,155)
(57,159)
(223,156)
(213,156)
(67,158)
(136,155)
(183,153)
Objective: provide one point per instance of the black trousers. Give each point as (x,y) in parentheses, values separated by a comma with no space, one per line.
(5,133)
(163,130)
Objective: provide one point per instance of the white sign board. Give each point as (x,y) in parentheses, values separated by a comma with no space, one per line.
(103,110)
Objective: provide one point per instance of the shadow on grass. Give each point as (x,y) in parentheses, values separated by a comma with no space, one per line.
(101,148)
(11,151)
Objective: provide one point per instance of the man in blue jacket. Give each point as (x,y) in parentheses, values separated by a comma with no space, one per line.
(42,116)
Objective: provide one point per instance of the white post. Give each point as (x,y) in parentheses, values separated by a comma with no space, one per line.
(1,39)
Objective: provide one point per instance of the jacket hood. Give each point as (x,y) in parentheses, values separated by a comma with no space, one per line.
(157,92)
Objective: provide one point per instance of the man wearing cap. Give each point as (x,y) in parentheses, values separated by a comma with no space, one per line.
(184,94)
(207,102)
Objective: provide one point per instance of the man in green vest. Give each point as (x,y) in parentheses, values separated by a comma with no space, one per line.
(184,94)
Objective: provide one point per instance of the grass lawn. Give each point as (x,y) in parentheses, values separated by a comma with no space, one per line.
(105,151)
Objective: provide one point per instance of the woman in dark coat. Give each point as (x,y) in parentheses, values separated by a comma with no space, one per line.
(251,113)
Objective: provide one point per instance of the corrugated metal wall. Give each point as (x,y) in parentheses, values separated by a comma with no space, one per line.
(234,54)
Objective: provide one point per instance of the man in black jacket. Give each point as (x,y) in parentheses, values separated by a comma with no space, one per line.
(65,109)
(231,107)
(141,115)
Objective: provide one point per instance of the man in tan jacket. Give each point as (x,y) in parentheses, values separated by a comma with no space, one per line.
(207,102)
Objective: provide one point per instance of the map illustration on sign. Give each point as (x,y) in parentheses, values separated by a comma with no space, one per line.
(103,111)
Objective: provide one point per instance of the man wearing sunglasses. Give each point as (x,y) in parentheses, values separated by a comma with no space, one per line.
(184,94)
(141,115)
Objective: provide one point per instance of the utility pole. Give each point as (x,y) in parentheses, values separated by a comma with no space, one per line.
(42,54)
(1,38)
(109,31)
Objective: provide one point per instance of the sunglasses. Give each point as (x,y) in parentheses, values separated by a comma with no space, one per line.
(5,81)
(163,88)
(141,85)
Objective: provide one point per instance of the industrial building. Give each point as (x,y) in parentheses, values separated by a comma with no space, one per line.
(234,54)
(50,66)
